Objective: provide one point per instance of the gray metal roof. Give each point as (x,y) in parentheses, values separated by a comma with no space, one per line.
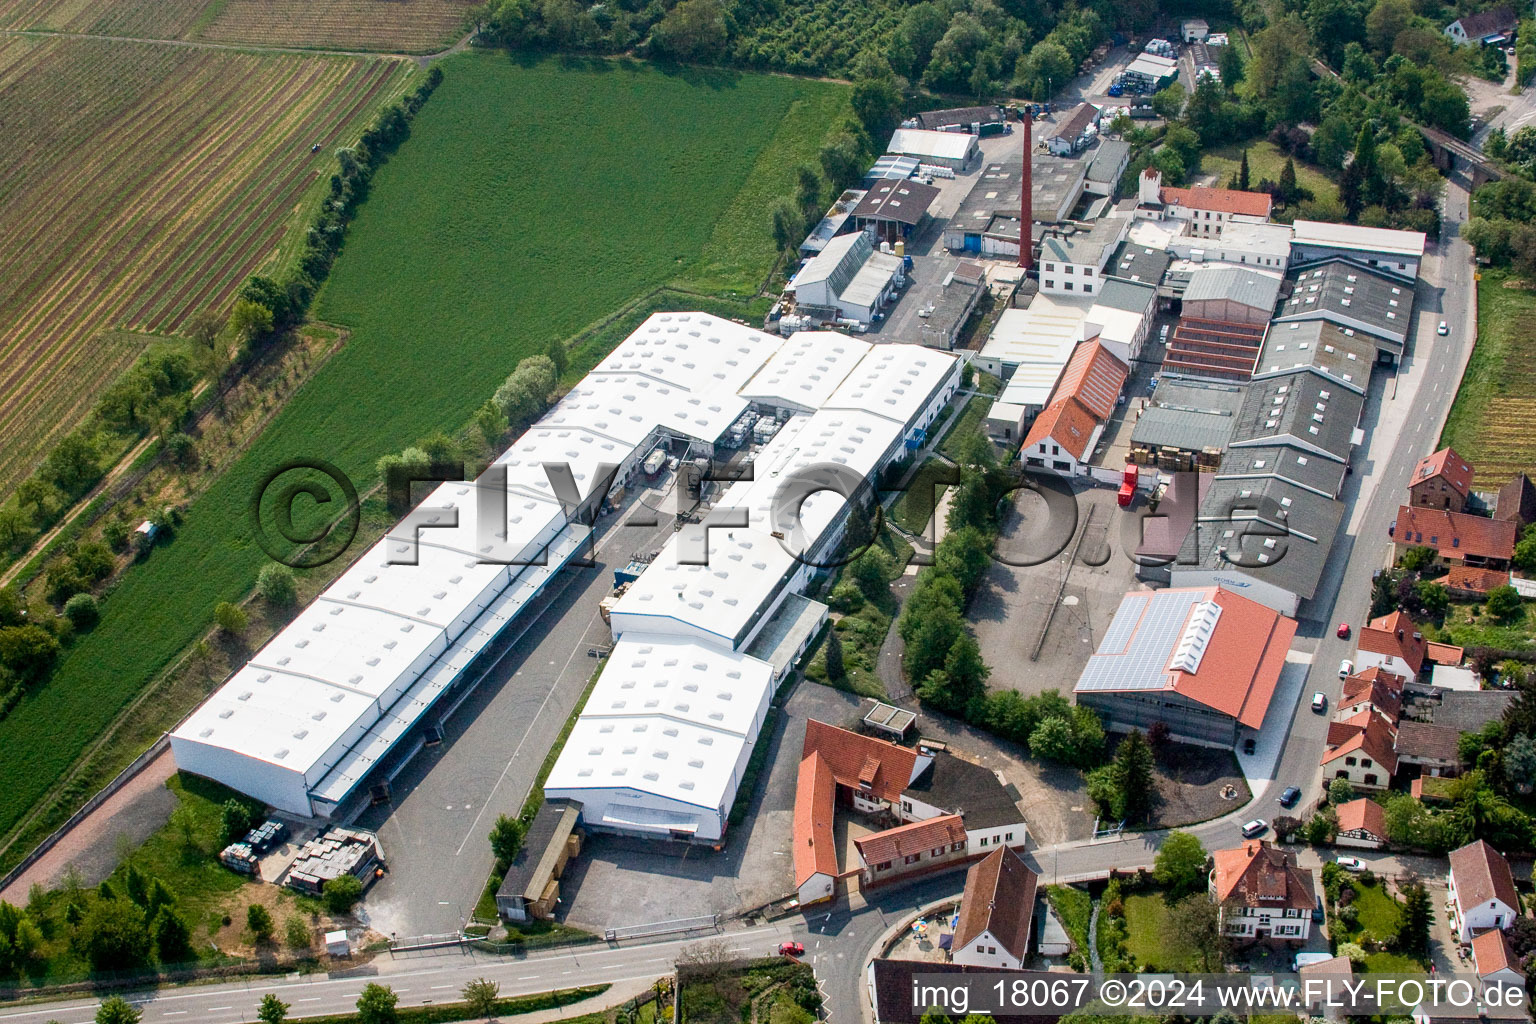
(1109,160)
(1131,296)
(1303,409)
(1189,414)
(1133,262)
(1083,247)
(1299,467)
(1342,353)
(1248,533)
(1237,284)
(1351,295)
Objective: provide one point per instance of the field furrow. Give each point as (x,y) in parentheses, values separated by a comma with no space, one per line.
(174,174)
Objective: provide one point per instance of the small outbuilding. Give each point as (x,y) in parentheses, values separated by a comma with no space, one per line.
(955,150)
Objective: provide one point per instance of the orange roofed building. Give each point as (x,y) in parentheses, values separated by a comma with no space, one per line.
(1201,660)
(1262,894)
(1063,435)
(1442,480)
(1393,643)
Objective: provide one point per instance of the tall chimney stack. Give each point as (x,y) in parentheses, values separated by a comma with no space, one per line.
(1026,198)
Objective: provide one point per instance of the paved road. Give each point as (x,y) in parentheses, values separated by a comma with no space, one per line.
(839,940)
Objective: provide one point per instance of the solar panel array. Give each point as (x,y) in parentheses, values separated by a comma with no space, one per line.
(1134,652)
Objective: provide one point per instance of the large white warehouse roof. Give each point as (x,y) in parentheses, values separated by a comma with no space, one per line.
(806,370)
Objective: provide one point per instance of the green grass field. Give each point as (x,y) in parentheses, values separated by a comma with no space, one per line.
(1489,424)
(1265,161)
(532,199)
(1146,922)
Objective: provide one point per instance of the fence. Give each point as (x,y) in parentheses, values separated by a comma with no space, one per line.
(681,924)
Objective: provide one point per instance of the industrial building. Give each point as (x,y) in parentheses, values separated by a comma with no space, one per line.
(945,317)
(1370,302)
(848,280)
(1075,132)
(1063,436)
(1105,166)
(1396,252)
(1029,347)
(892,210)
(1204,661)
(833,224)
(987,221)
(316,716)
(1148,73)
(956,117)
(1073,257)
(1186,424)
(954,150)
(1246,244)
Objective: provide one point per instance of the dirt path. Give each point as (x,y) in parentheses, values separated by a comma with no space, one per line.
(136,810)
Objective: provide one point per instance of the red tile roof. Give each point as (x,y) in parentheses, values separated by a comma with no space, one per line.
(855,760)
(1094,376)
(1257,874)
(1443,654)
(1367,733)
(1474,580)
(1377,688)
(815,802)
(1444,463)
(1066,422)
(1456,534)
(1219,200)
(1242,661)
(918,837)
(999,898)
(1492,952)
(1482,874)
(1363,814)
(1397,636)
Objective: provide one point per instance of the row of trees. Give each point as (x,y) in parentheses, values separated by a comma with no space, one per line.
(376,1004)
(1502,228)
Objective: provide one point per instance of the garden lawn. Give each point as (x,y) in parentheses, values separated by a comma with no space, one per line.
(1380,916)
(1146,919)
(1490,421)
(1265,161)
(533,198)
(1075,909)
(1483,630)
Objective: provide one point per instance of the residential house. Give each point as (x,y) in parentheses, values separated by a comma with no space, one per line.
(1207,210)
(1373,687)
(1391,642)
(917,847)
(1362,822)
(1491,27)
(1497,964)
(996,912)
(1482,891)
(1517,501)
(815,848)
(1262,894)
(1442,480)
(1458,538)
(1335,971)
(1360,749)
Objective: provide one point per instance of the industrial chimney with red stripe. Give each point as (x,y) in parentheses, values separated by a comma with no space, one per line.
(1026,197)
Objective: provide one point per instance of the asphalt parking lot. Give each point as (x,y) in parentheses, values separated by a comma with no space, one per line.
(1015,601)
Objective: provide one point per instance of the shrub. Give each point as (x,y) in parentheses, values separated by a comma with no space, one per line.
(82,611)
(230,618)
(341,894)
(845,598)
(275,584)
(259,920)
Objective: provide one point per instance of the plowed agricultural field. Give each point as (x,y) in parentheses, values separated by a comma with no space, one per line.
(139,184)
(1490,421)
(394,26)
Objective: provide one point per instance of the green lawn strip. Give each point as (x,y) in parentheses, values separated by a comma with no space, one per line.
(1489,422)
(915,506)
(1146,924)
(474,249)
(1074,908)
(1265,160)
(862,632)
(1392,963)
(509,1006)
(1464,629)
(740,251)
(971,419)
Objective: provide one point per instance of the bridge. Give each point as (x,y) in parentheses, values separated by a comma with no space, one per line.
(1451,155)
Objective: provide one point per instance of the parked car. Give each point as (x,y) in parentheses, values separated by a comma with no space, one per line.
(1319,702)
(1444,328)
(1343,631)
(1255,827)
(1249,745)
(1351,863)
(791,949)
(1290,796)
(1346,668)
(1317,911)
(1391,531)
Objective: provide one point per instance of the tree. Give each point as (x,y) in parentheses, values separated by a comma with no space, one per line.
(297,935)
(840,159)
(1180,865)
(1418,913)
(259,920)
(1503,603)
(507,838)
(117,1010)
(967,672)
(29,652)
(1243,177)
(788,224)
(1520,763)
(876,97)
(234,820)
(1385,22)
(377,1003)
(272,1010)
(1230,64)
(491,421)
(230,617)
(808,189)
(870,572)
(1289,190)
(82,611)
(836,670)
(275,583)
(250,321)
(112,936)
(1433,598)
(1168,101)
(341,894)
(173,938)
(1053,739)
(1133,775)
(72,463)
(1340,791)
(1048,66)
(481,995)
(1193,936)
(920,30)
(692,30)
